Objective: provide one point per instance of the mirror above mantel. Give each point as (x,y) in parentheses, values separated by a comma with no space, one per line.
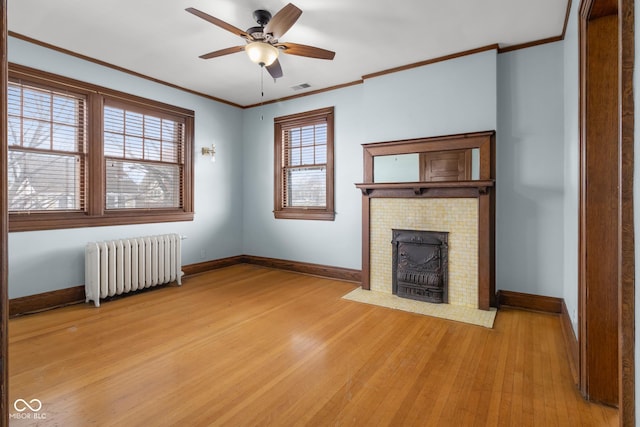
(461,165)
(405,160)
(454,165)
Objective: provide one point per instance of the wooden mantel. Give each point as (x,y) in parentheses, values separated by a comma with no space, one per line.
(483,189)
(433,189)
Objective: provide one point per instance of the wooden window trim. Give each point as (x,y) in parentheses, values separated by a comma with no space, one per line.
(322,214)
(95,214)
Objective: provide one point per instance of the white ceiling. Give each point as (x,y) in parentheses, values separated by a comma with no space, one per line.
(157,38)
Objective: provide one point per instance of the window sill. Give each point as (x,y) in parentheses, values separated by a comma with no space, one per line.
(55,221)
(310,214)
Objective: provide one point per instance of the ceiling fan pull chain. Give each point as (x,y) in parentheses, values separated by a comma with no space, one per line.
(261,91)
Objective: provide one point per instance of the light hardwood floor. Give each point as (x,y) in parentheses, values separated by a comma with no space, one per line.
(246,345)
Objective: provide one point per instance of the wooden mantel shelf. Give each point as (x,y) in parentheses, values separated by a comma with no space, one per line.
(439,188)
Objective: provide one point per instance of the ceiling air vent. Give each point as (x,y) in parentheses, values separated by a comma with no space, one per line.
(301,86)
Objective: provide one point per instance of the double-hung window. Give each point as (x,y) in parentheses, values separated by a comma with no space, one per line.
(143,155)
(82,155)
(47,149)
(304,165)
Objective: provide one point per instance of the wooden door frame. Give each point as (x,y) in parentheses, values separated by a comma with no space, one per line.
(624,10)
(4,223)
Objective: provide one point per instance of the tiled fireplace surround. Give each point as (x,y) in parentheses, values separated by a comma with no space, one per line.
(465,209)
(458,217)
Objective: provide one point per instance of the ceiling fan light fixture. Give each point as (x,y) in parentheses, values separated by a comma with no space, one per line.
(262,53)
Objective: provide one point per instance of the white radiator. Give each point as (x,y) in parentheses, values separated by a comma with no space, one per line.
(119,266)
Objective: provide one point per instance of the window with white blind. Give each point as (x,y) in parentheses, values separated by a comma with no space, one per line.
(143,156)
(47,149)
(82,155)
(304,165)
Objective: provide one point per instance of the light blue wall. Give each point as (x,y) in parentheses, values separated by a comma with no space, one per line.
(415,103)
(530,171)
(443,98)
(42,261)
(336,243)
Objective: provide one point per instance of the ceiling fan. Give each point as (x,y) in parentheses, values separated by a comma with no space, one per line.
(262,45)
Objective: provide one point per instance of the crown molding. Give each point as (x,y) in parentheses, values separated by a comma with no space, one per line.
(495,46)
(117,68)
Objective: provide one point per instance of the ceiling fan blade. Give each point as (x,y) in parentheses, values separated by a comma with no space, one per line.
(222,52)
(220,23)
(275,69)
(304,50)
(283,20)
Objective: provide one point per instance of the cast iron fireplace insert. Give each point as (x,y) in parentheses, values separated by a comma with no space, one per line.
(420,265)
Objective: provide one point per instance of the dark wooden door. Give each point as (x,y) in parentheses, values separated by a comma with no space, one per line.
(600,209)
(606,240)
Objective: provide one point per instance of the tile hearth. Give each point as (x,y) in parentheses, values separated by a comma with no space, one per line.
(445,311)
